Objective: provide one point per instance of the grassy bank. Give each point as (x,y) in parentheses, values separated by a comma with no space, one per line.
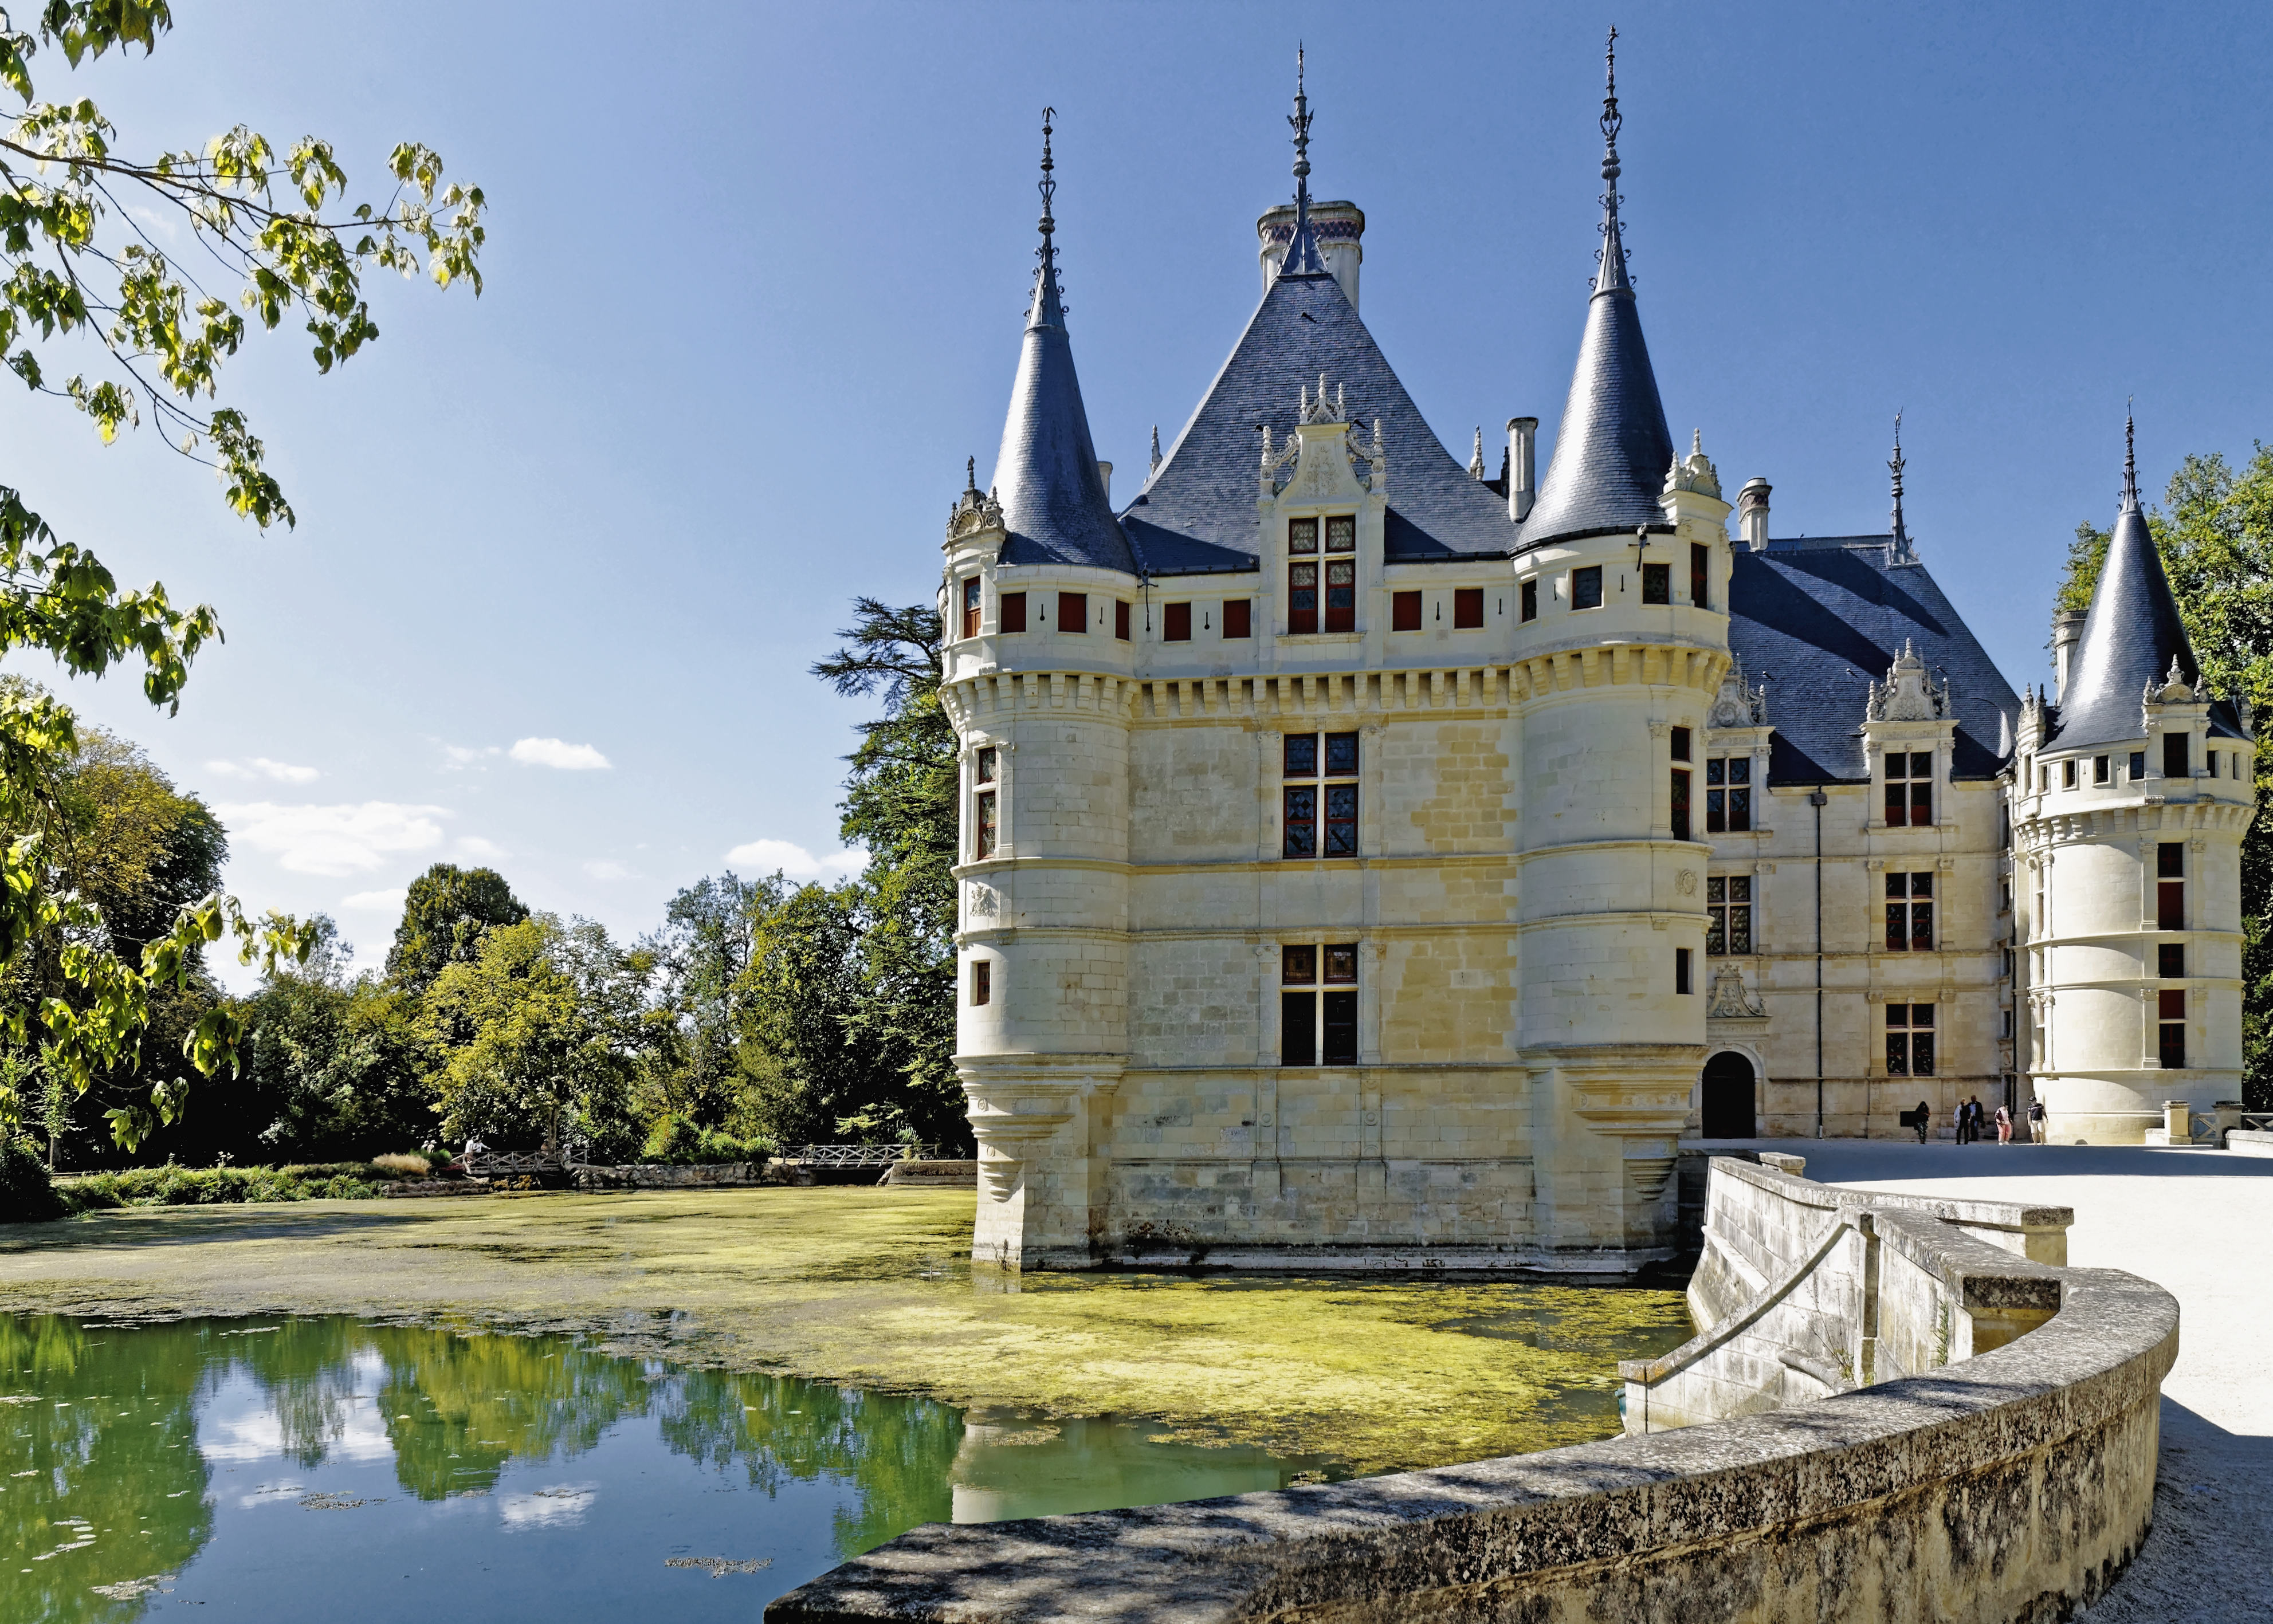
(874,1287)
(207,1186)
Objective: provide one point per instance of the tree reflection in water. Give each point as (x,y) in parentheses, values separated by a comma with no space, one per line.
(104,1487)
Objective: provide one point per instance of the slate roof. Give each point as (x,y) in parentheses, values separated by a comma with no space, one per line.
(1612,447)
(1046,475)
(2130,638)
(1819,619)
(1195,514)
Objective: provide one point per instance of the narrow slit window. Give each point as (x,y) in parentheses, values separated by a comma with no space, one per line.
(2099,770)
(1683,977)
(2171,1010)
(1530,600)
(1700,576)
(1680,802)
(986,823)
(982,980)
(971,588)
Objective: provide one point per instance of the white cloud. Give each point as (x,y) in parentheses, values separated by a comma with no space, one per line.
(261,766)
(475,846)
(763,857)
(467,755)
(557,1505)
(377,902)
(334,840)
(557,752)
(606,870)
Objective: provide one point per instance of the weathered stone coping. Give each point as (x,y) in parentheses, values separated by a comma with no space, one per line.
(2037,1233)
(2248,1141)
(2012,1485)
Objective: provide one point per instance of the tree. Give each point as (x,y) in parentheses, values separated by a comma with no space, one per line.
(79,273)
(712,938)
(900,802)
(129,852)
(444,915)
(2216,541)
(539,1036)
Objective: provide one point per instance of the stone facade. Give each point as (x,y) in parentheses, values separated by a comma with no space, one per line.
(1367,863)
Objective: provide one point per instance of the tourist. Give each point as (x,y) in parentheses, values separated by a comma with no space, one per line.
(1979,1118)
(2035,1122)
(2004,1125)
(1924,1120)
(1958,1120)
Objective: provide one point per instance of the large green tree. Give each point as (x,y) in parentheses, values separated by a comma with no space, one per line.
(94,314)
(445,913)
(2215,534)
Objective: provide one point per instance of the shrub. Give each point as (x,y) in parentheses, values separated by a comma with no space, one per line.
(27,1196)
(198,1186)
(673,1141)
(407,1164)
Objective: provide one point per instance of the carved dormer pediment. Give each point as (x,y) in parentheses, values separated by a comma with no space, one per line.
(1730,998)
(1738,704)
(1909,693)
(1330,461)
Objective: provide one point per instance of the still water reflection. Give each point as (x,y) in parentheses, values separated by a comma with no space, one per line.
(288,1468)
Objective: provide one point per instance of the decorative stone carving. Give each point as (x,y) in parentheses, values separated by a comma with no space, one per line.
(973,512)
(1730,999)
(1685,882)
(1695,472)
(1322,409)
(1738,704)
(1909,693)
(983,902)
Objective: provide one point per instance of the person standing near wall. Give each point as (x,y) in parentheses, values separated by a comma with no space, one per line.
(1958,1123)
(1924,1120)
(2035,1122)
(2004,1125)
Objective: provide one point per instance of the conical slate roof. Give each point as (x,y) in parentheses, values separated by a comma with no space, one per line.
(2131,638)
(1612,447)
(1046,475)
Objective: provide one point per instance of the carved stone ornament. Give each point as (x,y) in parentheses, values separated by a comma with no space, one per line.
(2172,689)
(1738,704)
(1325,410)
(972,512)
(1732,999)
(1695,472)
(982,901)
(1909,693)
(1685,882)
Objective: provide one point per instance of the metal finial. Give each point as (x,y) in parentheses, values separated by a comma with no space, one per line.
(1048,309)
(2130,460)
(970,474)
(1894,467)
(1302,250)
(1613,274)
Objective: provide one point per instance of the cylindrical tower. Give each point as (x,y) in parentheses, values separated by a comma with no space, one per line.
(2131,799)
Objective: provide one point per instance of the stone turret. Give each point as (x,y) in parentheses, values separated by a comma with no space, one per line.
(2132,797)
(1626,558)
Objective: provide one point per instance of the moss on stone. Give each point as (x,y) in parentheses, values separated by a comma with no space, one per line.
(874,1288)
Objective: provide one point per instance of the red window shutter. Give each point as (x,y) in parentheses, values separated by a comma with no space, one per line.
(1301,598)
(971,605)
(1176,623)
(1014,612)
(1467,608)
(2170,1003)
(1405,612)
(1121,621)
(1341,595)
(1238,617)
(2171,905)
(1073,612)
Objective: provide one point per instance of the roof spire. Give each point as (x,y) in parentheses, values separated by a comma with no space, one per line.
(2130,503)
(1612,276)
(1901,534)
(1048,309)
(1302,258)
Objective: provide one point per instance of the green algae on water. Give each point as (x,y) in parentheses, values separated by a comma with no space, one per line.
(873,1289)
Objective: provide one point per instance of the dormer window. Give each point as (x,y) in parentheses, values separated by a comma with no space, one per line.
(1303,584)
(1909,789)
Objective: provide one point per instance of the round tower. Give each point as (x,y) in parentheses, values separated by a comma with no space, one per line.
(1035,676)
(2132,793)
(1622,573)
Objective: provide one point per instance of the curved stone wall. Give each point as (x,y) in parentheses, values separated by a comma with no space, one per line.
(2010,1485)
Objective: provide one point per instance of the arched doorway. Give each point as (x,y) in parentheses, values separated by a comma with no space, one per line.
(1729,1098)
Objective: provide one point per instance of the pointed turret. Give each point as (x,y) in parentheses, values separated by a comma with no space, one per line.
(1046,475)
(2132,637)
(1613,447)
(1900,547)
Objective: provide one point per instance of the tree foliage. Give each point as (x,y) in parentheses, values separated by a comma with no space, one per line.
(2215,535)
(94,314)
(445,913)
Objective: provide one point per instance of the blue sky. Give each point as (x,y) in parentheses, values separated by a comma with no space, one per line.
(754,288)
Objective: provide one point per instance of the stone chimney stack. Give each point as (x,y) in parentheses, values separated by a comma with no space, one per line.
(2067,628)
(1522,467)
(1752,514)
(1340,228)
